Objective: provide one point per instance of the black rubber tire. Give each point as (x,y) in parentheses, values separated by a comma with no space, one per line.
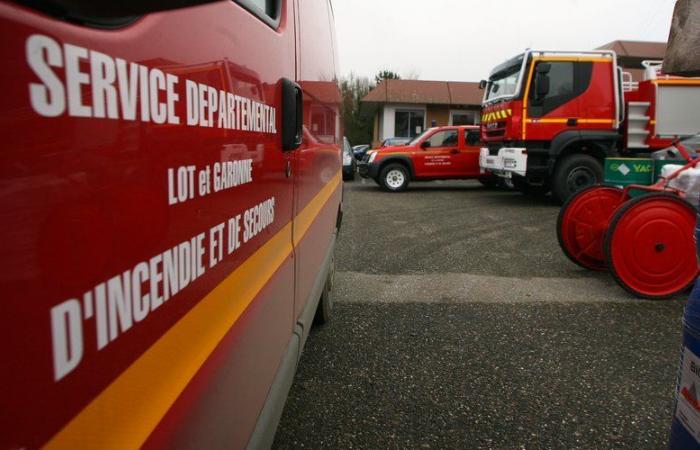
(619,214)
(324,310)
(349,177)
(385,172)
(588,169)
(521,185)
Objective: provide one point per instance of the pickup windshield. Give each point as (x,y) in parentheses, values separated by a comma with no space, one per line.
(504,81)
(420,136)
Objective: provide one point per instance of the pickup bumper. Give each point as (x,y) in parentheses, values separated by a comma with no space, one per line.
(368,170)
(507,162)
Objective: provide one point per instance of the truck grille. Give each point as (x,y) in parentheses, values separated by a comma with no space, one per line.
(496,129)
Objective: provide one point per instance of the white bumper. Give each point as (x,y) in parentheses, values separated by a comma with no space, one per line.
(509,161)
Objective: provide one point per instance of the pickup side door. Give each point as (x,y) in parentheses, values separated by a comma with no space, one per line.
(441,158)
(470,151)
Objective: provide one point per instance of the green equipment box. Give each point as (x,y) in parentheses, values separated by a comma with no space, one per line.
(624,171)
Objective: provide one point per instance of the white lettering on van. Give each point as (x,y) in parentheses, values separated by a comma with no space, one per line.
(67,336)
(117,305)
(81,82)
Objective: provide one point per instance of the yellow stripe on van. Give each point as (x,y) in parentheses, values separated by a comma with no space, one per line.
(128,410)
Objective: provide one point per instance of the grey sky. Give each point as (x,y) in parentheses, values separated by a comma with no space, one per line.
(462,40)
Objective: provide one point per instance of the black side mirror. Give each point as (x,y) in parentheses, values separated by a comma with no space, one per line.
(425,144)
(292,115)
(544,67)
(542,85)
(482,84)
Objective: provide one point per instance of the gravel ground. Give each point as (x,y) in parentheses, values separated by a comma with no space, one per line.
(460,324)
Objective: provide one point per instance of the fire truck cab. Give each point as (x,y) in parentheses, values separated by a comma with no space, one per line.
(549,119)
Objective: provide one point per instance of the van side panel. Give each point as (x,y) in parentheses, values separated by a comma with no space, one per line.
(319,159)
(96,195)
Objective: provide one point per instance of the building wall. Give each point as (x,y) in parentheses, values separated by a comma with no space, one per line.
(384,121)
(438,113)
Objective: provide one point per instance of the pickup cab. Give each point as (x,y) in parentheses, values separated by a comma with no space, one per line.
(440,153)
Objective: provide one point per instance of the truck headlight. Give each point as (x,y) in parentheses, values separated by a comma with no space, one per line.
(510,163)
(372,156)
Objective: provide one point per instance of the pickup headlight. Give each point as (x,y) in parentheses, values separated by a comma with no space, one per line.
(510,163)
(372,156)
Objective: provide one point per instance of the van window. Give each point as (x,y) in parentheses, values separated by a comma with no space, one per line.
(267,10)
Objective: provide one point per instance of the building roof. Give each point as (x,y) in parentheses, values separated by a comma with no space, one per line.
(425,92)
(637,49)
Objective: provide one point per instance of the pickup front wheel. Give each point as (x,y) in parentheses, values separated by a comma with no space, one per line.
(394,178)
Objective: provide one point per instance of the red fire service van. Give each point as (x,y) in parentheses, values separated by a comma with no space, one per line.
(439,153)
(170,194)
(549,119)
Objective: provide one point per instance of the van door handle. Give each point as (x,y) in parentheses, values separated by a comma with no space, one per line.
(454,151)
(572,122)
(292,115)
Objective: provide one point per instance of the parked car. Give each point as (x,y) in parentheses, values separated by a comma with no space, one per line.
(395,141)
(437,154)
(162,264)
(360,150)
(349,161)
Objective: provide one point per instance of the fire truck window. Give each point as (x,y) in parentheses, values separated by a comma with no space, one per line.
(561,89)
(443,139)
(561,79)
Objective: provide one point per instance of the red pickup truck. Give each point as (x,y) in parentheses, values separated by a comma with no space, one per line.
(438,154)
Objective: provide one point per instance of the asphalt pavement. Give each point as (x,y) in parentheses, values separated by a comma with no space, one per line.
(460,324)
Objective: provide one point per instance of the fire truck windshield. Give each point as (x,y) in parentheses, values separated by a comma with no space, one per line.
(504,80)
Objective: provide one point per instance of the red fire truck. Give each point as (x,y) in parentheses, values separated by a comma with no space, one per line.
(549,119)
(170,194)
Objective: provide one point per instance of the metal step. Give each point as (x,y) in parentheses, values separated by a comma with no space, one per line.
(639,118)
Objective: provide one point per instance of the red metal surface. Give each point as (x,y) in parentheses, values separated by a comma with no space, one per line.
(582,224)
(650,246)
(83,199)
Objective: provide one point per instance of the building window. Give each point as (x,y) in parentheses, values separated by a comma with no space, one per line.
(464,118)
(408,123)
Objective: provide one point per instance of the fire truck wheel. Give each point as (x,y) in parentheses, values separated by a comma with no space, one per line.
(573,173)
(394,178)
(324,311)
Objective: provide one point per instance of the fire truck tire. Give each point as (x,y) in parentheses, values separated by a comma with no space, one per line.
(573,173)
(394,177)
(324,311)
